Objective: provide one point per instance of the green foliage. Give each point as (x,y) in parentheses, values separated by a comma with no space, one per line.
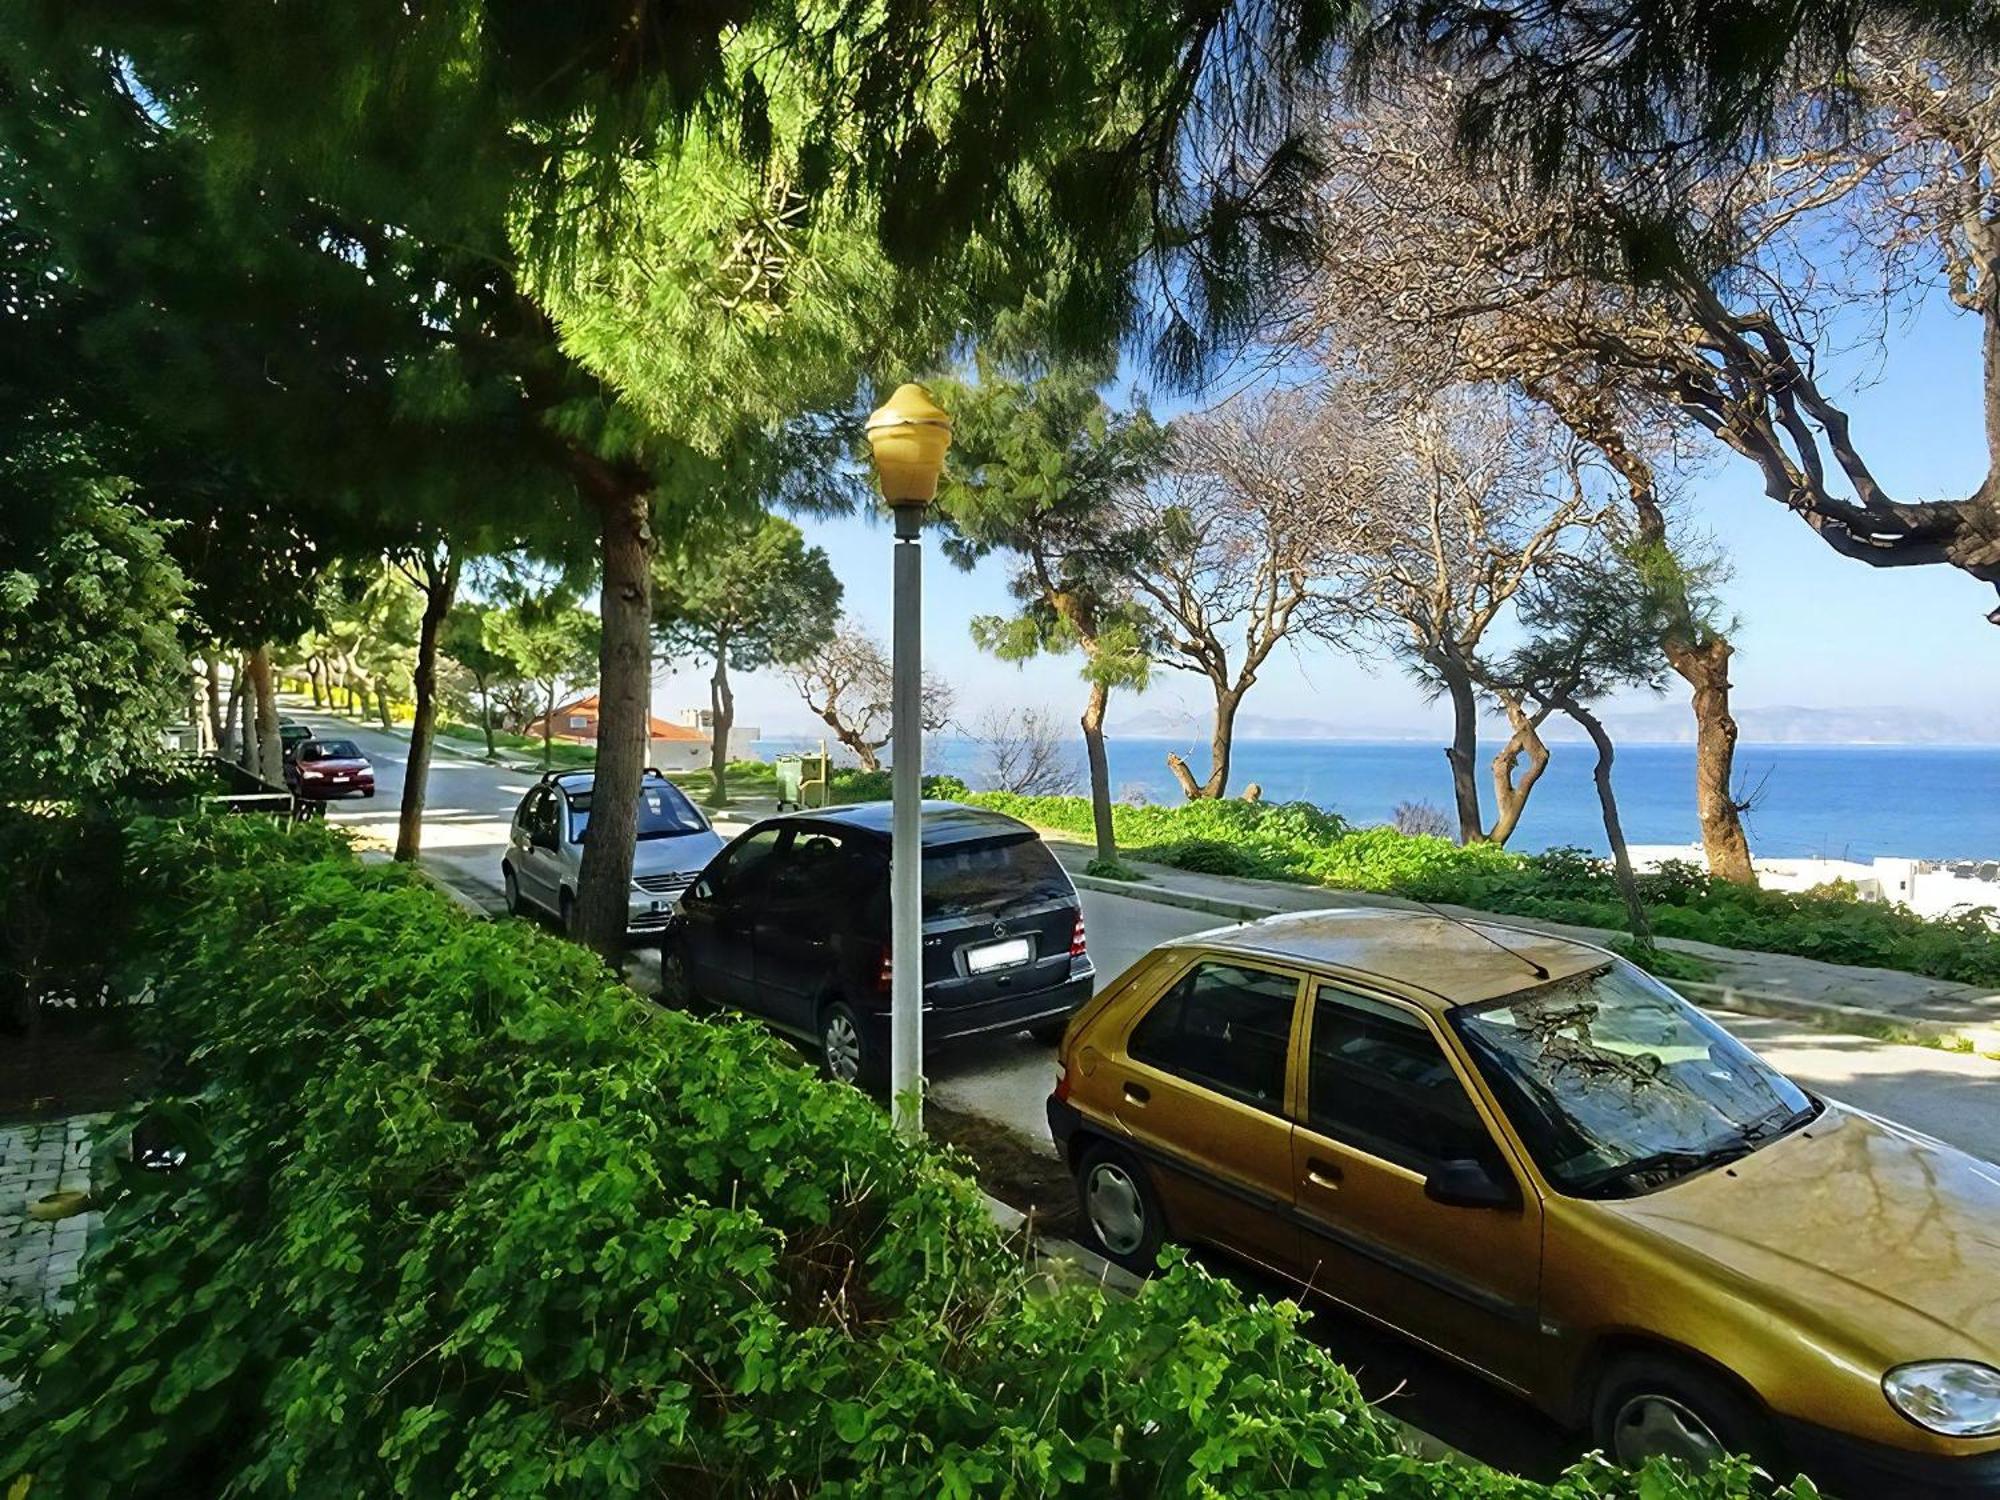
(89,607)
(748,593)
(852,784)
(1301,843)
(461,1215)
(1112,869)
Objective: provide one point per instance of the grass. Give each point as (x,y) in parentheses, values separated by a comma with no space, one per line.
(560,753)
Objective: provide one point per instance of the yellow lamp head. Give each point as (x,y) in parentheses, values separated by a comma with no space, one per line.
(909,434)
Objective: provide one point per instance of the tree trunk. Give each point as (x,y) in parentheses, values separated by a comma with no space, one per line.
(314,669)
(1614,831)
(1221,741)
(1510,790)
(245,697)
(1705,668)
(440,585)
(548,725)
(1100,772)
(1463,753)
(218,736)
(624,704)
(382,702)
(270,746)
(486,717)
(722,717)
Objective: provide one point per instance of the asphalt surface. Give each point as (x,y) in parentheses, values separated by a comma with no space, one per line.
(1007,1080)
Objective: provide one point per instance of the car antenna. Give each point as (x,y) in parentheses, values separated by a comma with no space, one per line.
(1478,931)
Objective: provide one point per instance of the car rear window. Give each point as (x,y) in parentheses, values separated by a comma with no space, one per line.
(329,750)
(967,879)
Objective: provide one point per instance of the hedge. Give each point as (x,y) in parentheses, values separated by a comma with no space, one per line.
(461,1216)
(1302,843)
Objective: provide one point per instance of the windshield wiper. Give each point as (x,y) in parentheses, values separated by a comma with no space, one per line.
(1780,1121)
(1688,1163)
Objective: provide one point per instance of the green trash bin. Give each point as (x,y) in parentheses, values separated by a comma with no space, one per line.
(789,769)
(802,780)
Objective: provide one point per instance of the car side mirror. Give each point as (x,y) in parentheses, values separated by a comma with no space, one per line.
(1466,1183)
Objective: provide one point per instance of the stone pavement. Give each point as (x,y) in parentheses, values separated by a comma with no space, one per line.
(1839,997)
(38,1261)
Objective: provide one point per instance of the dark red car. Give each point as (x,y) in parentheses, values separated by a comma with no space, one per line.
(330,768)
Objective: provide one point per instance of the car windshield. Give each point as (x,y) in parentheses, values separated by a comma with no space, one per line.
(985,878)
(664,812)
(1618,1086)
(329,750)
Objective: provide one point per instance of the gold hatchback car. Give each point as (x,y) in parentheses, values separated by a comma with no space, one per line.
(1536,1159)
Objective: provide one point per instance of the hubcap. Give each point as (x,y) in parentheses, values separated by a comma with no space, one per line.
(1117,1213)
(843,1048)
(1655,1426)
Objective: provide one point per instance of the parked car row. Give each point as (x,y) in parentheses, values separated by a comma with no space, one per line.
(1518,1150)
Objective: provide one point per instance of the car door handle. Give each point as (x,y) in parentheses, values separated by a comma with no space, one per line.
(1322,1173)
(1138,1093)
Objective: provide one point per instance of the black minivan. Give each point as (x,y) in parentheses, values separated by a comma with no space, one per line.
(790,923)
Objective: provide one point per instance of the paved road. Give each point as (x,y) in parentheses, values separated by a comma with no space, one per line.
(1950,1095)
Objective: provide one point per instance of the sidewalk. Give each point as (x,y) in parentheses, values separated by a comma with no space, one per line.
(1884,1003)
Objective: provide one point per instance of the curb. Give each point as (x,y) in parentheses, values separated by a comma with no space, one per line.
(1834,1015)
(1166,895)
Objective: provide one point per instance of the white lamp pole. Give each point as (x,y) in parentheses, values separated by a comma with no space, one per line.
(909,435)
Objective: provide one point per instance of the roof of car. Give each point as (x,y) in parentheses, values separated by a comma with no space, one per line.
(581,779)
(1438,961)
(943,822)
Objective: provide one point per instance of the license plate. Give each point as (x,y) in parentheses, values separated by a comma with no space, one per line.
(339,776)
(998,955)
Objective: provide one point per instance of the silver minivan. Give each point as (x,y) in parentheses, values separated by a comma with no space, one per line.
(545,850)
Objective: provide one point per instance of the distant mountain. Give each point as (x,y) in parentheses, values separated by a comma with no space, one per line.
(1180,724)
(1670,723)
(1673,724)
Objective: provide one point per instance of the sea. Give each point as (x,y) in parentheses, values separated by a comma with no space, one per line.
(1828,801)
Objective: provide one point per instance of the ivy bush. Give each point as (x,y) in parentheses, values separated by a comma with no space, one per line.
(461,1216)
(1300,843)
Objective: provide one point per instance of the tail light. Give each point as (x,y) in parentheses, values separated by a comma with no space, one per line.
(883,973)
(1062,1085)
(1076,944)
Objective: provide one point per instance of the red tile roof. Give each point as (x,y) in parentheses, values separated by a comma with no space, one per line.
(659,729)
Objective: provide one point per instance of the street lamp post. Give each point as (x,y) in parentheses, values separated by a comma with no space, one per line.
(909,435)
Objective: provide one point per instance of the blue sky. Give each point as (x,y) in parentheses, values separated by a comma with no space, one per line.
(1817,630)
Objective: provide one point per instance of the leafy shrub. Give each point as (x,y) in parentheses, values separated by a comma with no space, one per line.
(1209,857)
(1298,842)
(1676,882)
(460,1216)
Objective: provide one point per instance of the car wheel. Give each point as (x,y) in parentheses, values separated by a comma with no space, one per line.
(1048,1033)
(510,890)
(674,989)
(568,914)
(847,1053)
(1649,1406)
(1119,1205)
